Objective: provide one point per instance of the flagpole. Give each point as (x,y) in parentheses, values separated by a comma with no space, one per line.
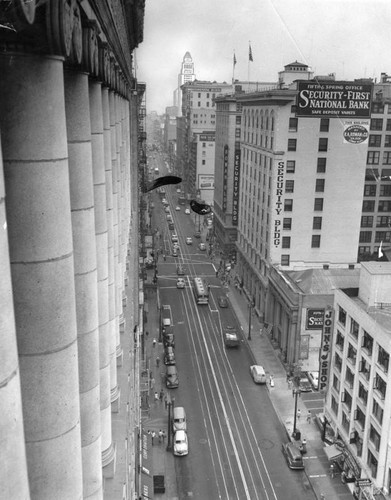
(233,68)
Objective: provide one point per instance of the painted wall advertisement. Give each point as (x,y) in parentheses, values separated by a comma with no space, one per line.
(333,99)
(355,131)
(278,204)
(236,185)
(206,181)
(325,349)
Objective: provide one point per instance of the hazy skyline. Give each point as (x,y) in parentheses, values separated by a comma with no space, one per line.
(347,37)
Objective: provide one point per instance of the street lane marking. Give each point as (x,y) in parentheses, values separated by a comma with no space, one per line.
(318,475)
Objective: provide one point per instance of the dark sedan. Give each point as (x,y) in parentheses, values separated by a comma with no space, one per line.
(222,301)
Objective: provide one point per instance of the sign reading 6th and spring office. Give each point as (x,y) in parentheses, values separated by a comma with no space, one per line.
(333,99)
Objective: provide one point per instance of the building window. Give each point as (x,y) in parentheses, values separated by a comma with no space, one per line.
(385,190)
(374,436)
(323,144)
(373,157)
(384,206)
(286,242)
(319,185)
(354,328)
(387,141)
(371,174)
(288,205)
(289,186)
(377,411)
(372,464)
(287,223)
(317,223)
(380,385)
(352,353)
(367,221)
(290,166)
(321,165)
(324,124)
(388,124)
(383,221)
(336,383)
(374,141)
(382,236)
(367,343)
(378,107)
(349,376)
(340,340)
(315,242)
(318,204)
(383,358)
(338,362)
(376,124)
(293,124)
(365,236)
(292,144)
(203,162)
(387,158)
(359,416)
(347,399)
(238,119)
(368,206)
(342,316)
(285,260)
(370,190)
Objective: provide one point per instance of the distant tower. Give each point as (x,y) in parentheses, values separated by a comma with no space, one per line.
(186,75)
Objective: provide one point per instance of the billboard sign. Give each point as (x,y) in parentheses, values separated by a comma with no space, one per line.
(356,131)
(325,349)
(236,185)
(333,99)
(315,319)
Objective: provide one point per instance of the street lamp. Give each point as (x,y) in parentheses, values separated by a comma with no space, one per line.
(296,433)
(250,310)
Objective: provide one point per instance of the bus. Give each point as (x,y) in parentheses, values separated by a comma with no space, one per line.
(201,291)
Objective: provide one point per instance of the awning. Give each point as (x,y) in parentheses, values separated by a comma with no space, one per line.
(332,452)
(146,489)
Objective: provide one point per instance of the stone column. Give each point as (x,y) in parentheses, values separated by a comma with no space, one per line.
(13,472)
(115,324)
(106,342)
(83,226)
(34,140)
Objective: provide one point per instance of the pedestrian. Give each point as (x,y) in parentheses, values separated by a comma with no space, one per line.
(163,435)
(156,396)
(289,383)
(271,381)
(157,361)
(154,342)
(165,402)
(298,414)
(161,395)
(147,333)
(152,383)
(153,435)
(160,435)
(164,257)
(309,416)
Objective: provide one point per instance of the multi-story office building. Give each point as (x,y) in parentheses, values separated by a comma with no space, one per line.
(376,205)
(186,74)
(357,374)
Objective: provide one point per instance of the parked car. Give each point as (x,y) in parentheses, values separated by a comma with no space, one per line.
(181,446)
(231,338)
(180,283)
(180,270)
(169,356)
(293,456)
(178,190)
(175,251)
(171,225)
(169,340)
(178,208)
(174,238)
(187,211)
(172,379)
(313,377)
(305,385)
(222,301)
(202,246)
(179,422)
(167,210)
(164,201)
(189,240)
(258,374)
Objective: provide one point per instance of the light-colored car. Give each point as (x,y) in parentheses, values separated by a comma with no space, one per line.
(181,446)
(187,211)
(174,238)
(164,201)
(180,283)
(258,374)
(313,377)
(178,208)
(305,385)
(189,240)
(202,246)
(178,190)
(172,380)
(169,356)
(179,422)
(180,270)
(167,210)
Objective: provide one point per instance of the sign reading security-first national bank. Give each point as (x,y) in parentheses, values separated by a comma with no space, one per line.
(333,99)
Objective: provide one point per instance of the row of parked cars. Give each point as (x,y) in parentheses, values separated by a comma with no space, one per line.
(179,428)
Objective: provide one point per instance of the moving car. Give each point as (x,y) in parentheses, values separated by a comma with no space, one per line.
(178,208)
(175,252)
(169,217)
(174,238)
(178,190)
(187,211)
(180,283)
(305,385)
(167,210)
(202,246)
(197,234)
(172,379)
(180,270)
(293,456)
(171,225)
(231,338)
(179,422)
(164,201)
(258,374)
(189,240)
(222,301)
(181,446)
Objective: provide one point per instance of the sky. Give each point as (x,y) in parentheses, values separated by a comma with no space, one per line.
(351,38)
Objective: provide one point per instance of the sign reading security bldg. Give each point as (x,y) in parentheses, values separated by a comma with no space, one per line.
(333,99)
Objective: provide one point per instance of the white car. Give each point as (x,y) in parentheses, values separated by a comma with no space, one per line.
(202,246)
(189,240)
(187,211)
(178,208)
(181,447)
(180,283)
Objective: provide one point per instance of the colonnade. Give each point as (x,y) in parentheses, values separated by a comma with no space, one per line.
(65,210)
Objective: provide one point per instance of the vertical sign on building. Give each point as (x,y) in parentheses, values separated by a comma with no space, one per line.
(225,177)
(278,204)
(236,183)
(325,349)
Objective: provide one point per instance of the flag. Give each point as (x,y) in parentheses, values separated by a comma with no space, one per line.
(250,53)
(380,253)
(234,59)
